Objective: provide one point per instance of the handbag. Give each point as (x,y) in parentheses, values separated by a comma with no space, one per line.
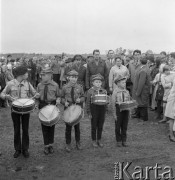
(160,90)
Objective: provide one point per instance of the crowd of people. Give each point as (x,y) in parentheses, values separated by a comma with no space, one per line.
(146,78)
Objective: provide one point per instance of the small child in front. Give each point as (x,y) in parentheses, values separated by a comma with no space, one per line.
(120,94)
(96,112)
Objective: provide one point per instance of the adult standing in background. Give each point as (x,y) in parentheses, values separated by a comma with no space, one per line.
(78,66)
(55,66)
(153,73)
(141,89)
(117,70)
(110,61)
(94,67)
(134,64)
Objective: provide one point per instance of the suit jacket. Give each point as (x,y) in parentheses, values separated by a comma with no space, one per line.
(110,64)
(93,69)
(81,73)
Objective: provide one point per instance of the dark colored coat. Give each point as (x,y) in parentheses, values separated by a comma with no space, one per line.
(93,69)
(81,74)
(141,87)
(2,81)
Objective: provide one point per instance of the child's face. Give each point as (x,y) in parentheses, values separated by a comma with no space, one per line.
(25,76)
(122,84)
(46,77)
(97,83)
(73,79)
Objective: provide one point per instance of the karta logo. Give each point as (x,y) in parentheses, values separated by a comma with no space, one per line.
(123,171)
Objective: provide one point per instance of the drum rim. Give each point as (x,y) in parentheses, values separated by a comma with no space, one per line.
(24,106)
(27,112)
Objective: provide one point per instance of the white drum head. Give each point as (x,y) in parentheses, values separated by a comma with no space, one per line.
(23,102)
(48,113)
(72,113)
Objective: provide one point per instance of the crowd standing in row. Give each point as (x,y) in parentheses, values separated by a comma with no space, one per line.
(146,78)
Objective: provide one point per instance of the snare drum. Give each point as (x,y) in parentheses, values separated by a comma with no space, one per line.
(100,99)
(73,114)
(23,106)
(49,115)
(128,105)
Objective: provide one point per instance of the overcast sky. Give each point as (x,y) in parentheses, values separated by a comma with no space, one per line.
(79,26)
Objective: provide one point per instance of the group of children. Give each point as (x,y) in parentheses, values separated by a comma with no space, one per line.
(48,92)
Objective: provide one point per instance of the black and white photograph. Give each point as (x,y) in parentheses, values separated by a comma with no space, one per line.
(87,90)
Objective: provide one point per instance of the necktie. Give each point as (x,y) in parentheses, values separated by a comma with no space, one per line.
(123,97)
(20,85)
(72,95)
(45,92)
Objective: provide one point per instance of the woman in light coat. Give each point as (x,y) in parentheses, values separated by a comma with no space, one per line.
(167,83)
(170,111)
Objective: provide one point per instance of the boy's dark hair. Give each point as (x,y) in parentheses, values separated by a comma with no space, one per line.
(143,60)
(96,50)
(137,51)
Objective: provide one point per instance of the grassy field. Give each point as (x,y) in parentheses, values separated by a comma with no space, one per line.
(148,145)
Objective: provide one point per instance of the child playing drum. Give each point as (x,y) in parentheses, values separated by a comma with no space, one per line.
(72,93)
(16,89)
(96,112)
(120,94)
(49,94)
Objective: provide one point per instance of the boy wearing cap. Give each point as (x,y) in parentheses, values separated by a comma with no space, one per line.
(119,95)
(49,94)
(15,89)
(96,112)
(72,93)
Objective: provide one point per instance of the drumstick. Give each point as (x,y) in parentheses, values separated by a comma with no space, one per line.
(34,96)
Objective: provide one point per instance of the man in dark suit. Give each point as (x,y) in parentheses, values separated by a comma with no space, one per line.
(94,67)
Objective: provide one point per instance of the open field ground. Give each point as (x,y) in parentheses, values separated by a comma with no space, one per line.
(148,145)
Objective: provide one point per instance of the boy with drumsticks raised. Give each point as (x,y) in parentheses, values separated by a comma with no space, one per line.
(49,94)
(16,89)
(96,112)
(72,93)
(120,95)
